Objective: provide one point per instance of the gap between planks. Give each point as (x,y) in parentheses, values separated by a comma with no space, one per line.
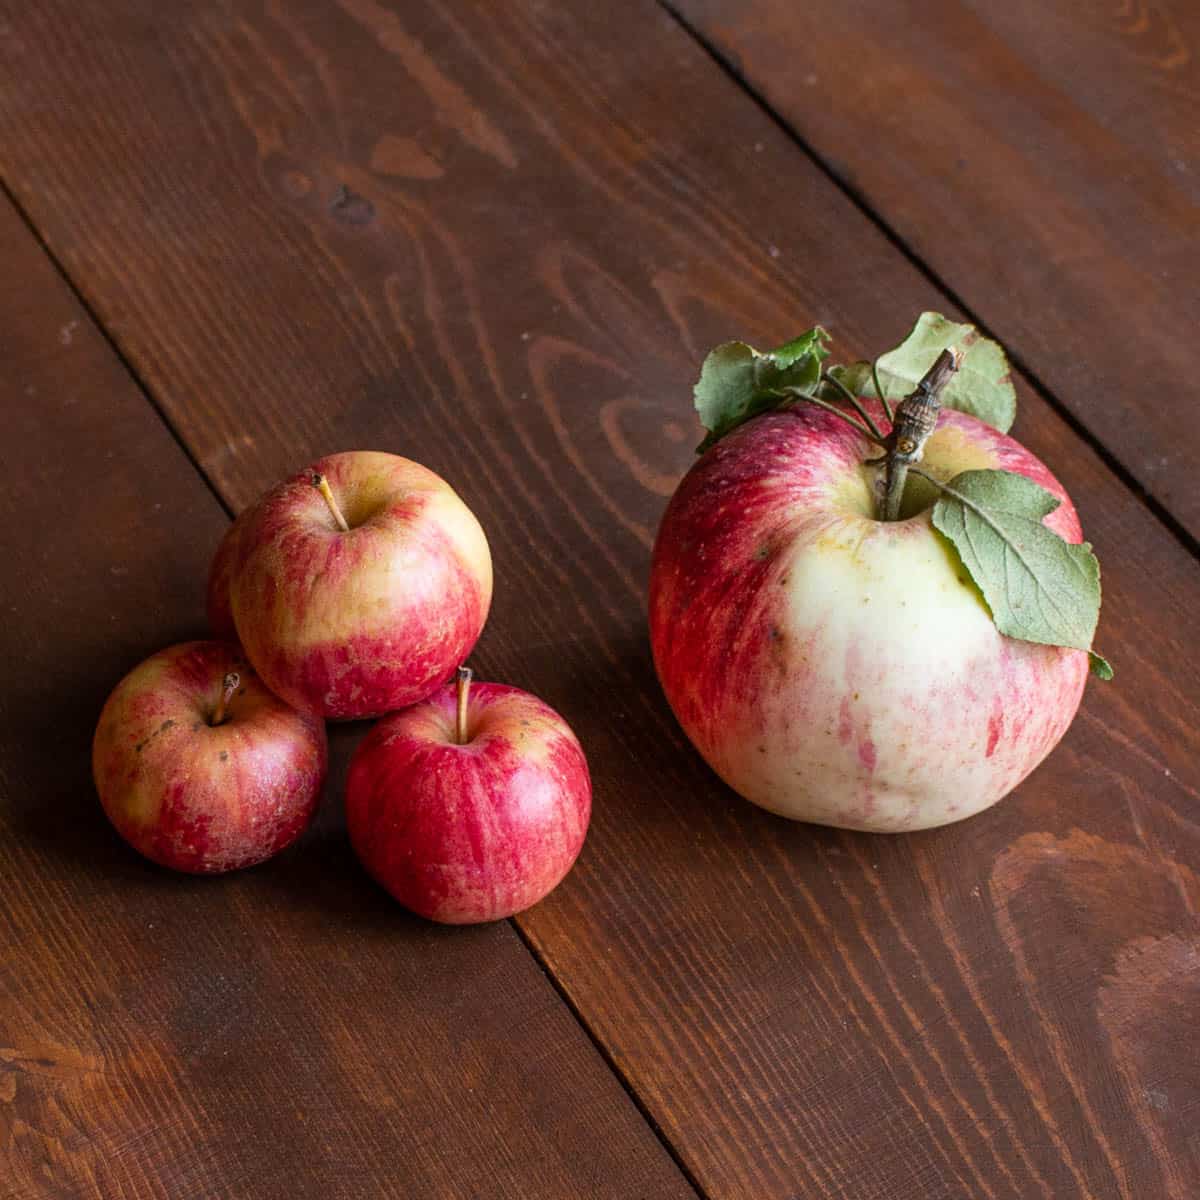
(609,1061)
(6,193)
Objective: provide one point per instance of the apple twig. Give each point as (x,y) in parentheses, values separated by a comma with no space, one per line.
(916,419)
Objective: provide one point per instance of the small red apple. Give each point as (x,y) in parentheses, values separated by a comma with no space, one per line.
(220,577)
(356,586)
(199,767)
(469,807)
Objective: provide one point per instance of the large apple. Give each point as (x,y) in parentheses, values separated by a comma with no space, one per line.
(836,668)
(200,767)
(356,586)
(469,810)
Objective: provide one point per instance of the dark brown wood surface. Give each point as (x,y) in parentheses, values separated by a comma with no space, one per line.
(284,1032)
(1043,158)
(498,239)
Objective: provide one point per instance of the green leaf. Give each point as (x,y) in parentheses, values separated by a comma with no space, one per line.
(982,386)
(727,385)
(811,342)
(857,378)
(1038,587)
(1101,667)
(737,382)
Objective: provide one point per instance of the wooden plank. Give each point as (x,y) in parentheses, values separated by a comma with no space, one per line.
(1138,78)
(283,1032)
(1042,159)
(497,238)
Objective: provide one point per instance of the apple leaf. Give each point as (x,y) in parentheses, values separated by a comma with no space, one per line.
(1038,587)
(738,382)
(982,386)
(856,377)
(811,342)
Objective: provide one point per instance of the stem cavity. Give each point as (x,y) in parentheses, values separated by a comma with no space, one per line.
(322,486)
(916,419)
(464,690)
(229,685)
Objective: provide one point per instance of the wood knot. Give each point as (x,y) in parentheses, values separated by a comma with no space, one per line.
(350,208)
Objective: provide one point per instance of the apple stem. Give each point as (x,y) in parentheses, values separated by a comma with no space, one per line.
(916,419)
(841,413)
(853,401)
(887,404)
(464,690)
(322,486)
(229,685)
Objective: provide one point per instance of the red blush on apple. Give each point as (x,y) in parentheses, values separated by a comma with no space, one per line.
(471,806)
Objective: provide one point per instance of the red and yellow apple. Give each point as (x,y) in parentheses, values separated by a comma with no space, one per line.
(835,668)
(199,767)
(356,586)
(220,579)
(472,811)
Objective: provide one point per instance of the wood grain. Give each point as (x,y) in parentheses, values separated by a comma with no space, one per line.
(283,1032)
(498,238)
(1042,159)
(1131,66)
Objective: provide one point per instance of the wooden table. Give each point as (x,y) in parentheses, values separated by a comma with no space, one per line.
(498,238)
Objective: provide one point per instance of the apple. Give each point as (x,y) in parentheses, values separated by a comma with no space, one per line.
(356,586)
(220,577)
(839,669)
(471,806)
(199,767)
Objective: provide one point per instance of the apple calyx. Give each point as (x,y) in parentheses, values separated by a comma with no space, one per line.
(322,486)
(229,685)
(1037,586)
(463,685)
